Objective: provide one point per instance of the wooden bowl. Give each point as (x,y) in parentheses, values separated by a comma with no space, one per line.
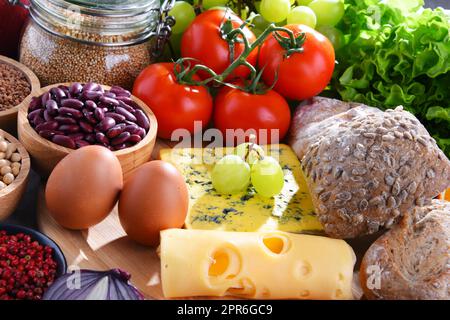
(46,154)
(8,118)
(11,195)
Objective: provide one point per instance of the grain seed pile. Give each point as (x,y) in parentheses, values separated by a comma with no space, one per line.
(14,86)
(10,162)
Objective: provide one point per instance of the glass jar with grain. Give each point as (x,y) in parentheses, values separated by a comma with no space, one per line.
(106,41)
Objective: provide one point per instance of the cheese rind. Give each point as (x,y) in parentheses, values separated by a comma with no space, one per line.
(255,265)
(291,211)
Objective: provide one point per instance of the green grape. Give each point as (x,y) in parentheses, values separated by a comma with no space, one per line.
(208,4)
(250,156)
(183,13)
(275,10)
(231,175)
(335,36)
(302,15)
(267,177)
(303,2)
(292,2)
(328,12)
(260,23)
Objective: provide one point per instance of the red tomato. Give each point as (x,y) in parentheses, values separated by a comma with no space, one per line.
(236,109)
(203,41)
(175,105)
(301,75)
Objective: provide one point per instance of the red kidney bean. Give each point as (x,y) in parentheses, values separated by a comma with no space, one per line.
(64,141)
(126,114)
(45,97)
(142,120)
(90,105)
(91,95)
(141,132)
(132,128)
(76,136)
(70,112)
(116,130)
(34,104)
(91,86)
(99,113)
(128,101)
(58,93)
(86,127)
(75,88)
(48,134)
(90,138)
(35,113)
(69,128)
(134,138)
(101,138)
(118,117)
(120,147)
(121,138)
(126,106)
(119,91)
(82,143)
(52,107)
(109,101)
(47,116)
(50,125)
(72,103)
(109,94)
(106,124)
(65,120)
(38,120)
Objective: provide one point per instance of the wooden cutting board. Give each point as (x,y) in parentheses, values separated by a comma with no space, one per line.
(106,246)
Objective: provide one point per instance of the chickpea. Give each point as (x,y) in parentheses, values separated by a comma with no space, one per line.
(2,155)
(10,150)
(15,165)
(15,157)
(15,171)
(8,178)
(3,146)
(4,163)
(5,170)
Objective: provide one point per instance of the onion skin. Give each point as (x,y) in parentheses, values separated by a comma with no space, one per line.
(119,286)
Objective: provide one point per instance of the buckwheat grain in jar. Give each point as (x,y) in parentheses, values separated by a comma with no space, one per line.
(89,40)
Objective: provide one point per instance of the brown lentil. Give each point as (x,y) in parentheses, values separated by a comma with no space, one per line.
(56,59)
(14,86)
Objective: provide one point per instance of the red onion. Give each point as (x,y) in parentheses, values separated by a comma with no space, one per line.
(12,20)
(93,285)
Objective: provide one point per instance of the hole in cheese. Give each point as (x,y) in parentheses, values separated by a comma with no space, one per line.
(304,294)
(276,243)
(245,288)
(225,263)
(220,263)
(303,269)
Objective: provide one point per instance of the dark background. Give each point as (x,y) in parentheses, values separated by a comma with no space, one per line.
(26,212)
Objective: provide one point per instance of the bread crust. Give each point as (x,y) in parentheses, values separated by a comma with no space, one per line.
(412,260)
(365,168)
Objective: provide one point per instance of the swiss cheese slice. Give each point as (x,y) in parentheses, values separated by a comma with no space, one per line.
(255,265)
(291,211)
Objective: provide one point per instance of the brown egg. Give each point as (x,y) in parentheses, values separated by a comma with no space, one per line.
(154,198)
(84,187)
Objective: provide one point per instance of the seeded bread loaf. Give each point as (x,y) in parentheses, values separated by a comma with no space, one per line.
(412,260)
(365,167)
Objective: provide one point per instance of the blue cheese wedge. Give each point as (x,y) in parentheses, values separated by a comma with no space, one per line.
(291,211)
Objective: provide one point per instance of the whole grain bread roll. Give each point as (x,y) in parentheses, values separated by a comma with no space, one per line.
(365,167)
(412,260)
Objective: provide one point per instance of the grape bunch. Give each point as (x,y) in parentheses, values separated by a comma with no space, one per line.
(233,173)
(322,15)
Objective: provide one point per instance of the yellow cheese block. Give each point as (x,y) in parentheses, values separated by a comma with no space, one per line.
(292,210)
(255,265)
